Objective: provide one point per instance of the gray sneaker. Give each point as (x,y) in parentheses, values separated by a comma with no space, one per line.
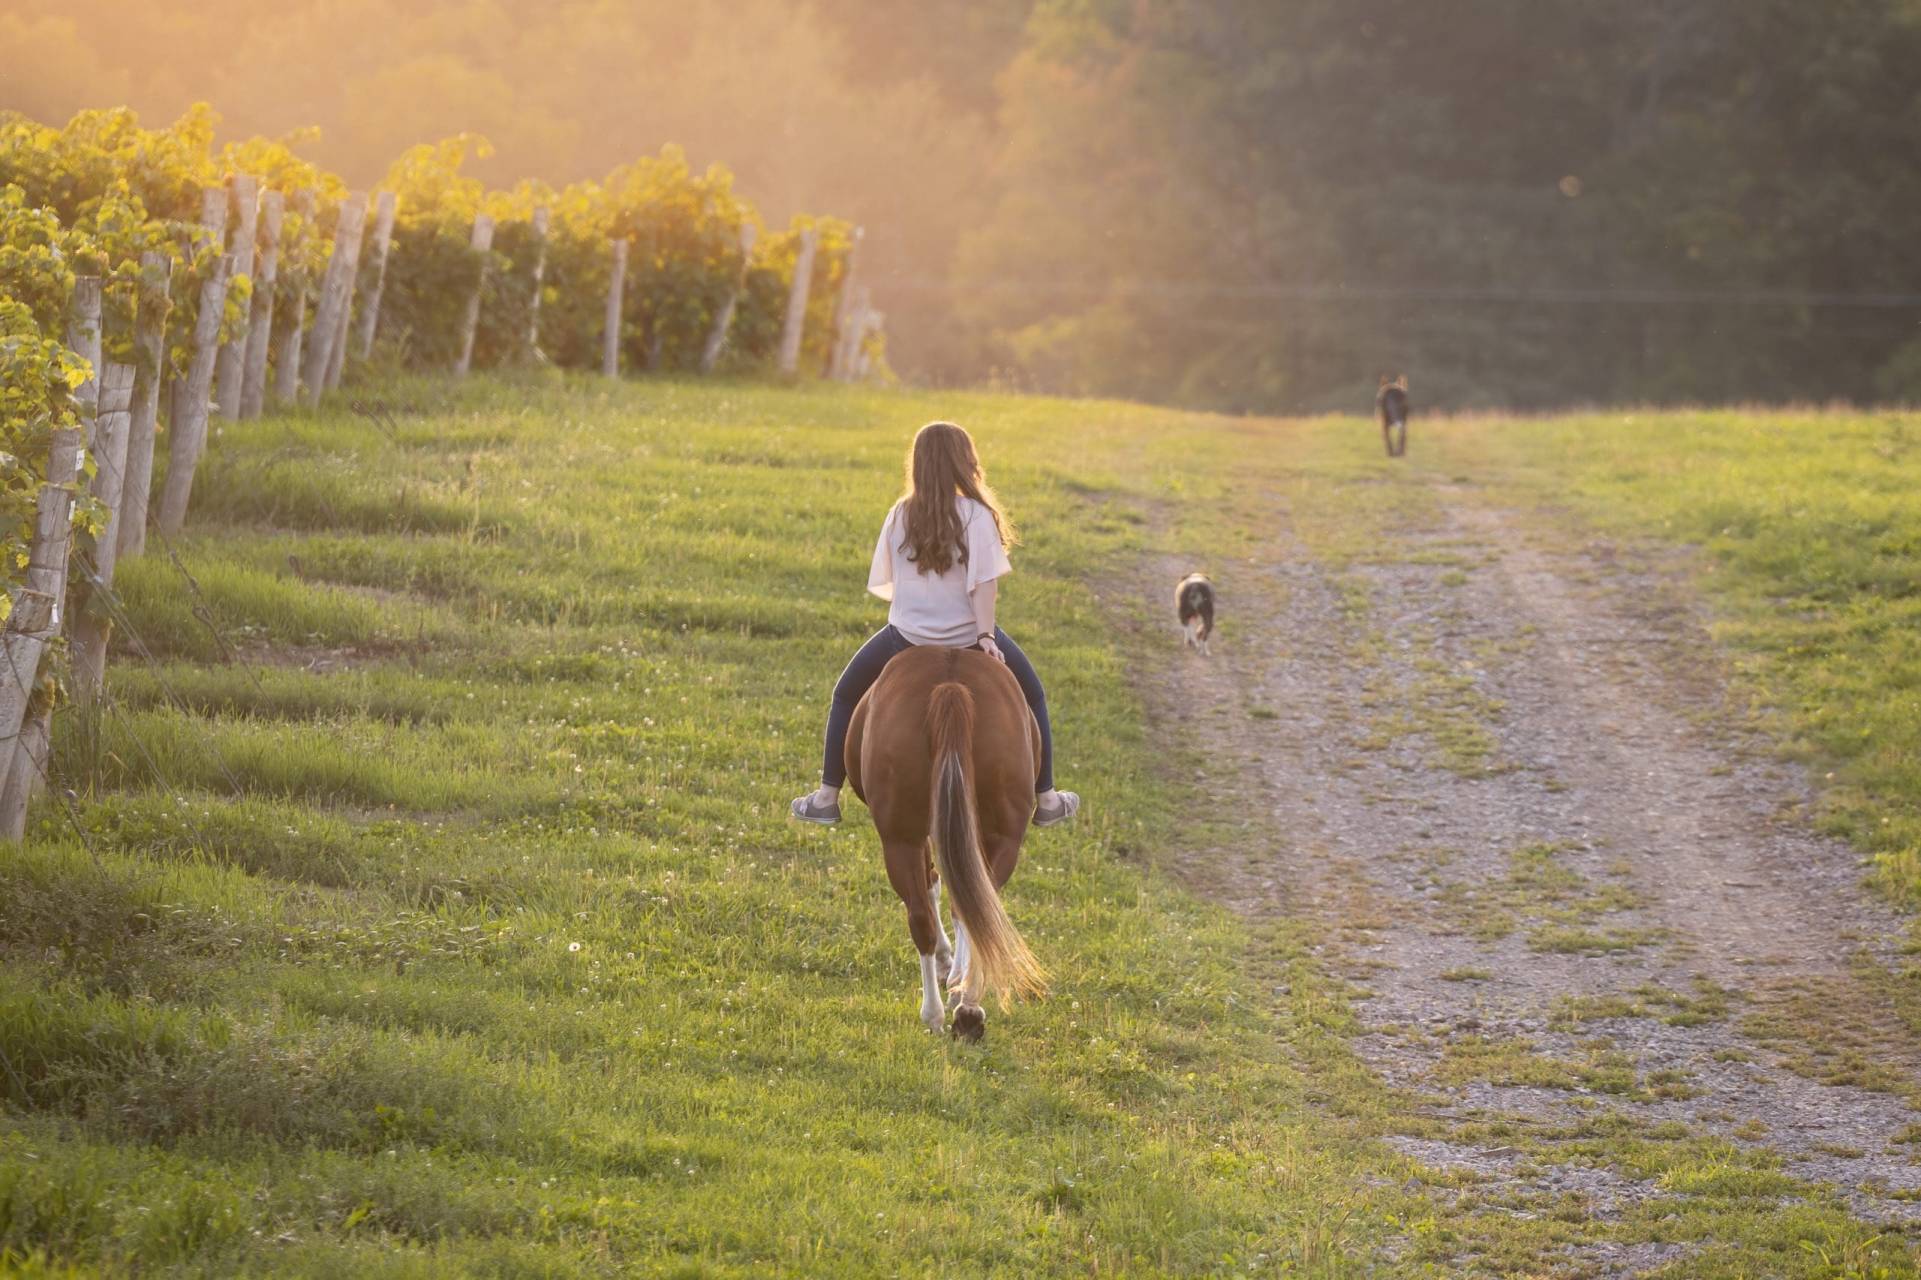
(1046,816)
(806,810)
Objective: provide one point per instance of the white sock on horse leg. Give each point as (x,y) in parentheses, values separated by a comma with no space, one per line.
(933,1011)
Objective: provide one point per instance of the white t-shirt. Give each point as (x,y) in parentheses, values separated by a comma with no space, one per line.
(934,608)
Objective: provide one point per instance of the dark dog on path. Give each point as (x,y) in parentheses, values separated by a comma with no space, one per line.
(1194,601)
(1390,406)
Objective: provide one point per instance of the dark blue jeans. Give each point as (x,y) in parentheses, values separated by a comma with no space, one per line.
(865,669)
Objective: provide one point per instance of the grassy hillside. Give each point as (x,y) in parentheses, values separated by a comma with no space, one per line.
(429,904)
(457,920)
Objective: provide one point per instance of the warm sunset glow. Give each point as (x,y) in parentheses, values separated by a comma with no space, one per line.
(1237,204)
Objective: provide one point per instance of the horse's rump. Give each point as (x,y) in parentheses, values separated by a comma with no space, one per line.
(889,739)
(943,747)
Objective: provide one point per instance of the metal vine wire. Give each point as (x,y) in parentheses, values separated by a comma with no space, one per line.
(203,613)
(1268,291)
(380,415)
(203,608)
(117,611)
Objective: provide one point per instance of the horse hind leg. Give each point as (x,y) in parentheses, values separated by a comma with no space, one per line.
(907,869)
(970,1020)
(957,975)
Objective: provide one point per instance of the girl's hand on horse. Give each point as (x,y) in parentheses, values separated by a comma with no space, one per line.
(992,650)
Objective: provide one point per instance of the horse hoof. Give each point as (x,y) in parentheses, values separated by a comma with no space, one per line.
(969,1022)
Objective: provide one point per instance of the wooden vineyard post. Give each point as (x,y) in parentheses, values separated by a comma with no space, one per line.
(610,332)
(213,215)
(91,623)
(541,216)
(337,362)
(29,629)
(25,708)
(253,368)
(790,331)
(188,432)
(230,372)
(213,236)
(649,264)
(724,319)
(286,387)
(83,336)
(150,355)
(846,335)
(845,323)
(482,244)
(847,351)
(872,322)
(383,241)
(335,291)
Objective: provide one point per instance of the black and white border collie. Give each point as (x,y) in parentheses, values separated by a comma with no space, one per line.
(1194,602)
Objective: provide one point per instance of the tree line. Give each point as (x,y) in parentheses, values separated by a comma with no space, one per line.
(1520,202)
(1241,204)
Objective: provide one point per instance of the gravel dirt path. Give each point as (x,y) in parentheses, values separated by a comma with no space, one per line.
(1500,771)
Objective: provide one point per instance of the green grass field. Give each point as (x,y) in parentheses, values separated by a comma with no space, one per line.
(454,925)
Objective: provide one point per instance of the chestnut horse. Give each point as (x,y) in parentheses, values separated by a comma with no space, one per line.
(944,752)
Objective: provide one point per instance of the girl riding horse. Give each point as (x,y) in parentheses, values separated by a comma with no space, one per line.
(938,563)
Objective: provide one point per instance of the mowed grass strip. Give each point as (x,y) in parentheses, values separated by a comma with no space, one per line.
(438,911)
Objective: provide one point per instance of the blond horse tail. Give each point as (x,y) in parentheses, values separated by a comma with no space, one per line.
(1008,968)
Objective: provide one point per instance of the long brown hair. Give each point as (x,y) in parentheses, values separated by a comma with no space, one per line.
(941,464)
